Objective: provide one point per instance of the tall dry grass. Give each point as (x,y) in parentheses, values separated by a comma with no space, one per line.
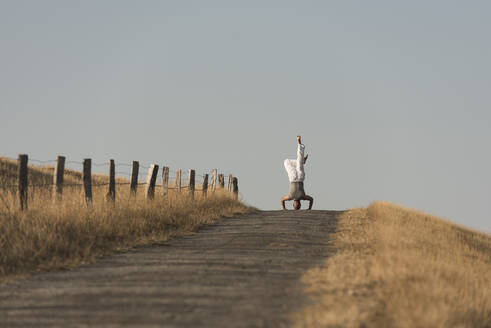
(53,235)
(397,267)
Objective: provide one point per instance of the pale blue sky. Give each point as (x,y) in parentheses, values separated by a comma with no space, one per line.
(392,97)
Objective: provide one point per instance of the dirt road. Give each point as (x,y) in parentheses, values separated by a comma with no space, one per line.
(241,272)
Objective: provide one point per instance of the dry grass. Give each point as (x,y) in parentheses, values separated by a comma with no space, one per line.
(59,235)
(397,267)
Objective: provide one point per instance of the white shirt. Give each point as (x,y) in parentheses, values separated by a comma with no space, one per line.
(294,167)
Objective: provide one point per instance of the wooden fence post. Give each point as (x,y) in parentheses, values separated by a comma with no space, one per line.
(165,180)
(22,175)
(178,180)
(111,193)
(229,182)
(151,179)
(58,178)
(134,177)
(87,177)
(221,181)
(205,184)
(213,182)
(235,188)
(191,183)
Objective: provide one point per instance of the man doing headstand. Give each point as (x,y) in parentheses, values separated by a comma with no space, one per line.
(296,175)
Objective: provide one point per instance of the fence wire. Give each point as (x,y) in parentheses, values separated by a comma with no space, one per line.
(74,162)
(42,162)
(184,176)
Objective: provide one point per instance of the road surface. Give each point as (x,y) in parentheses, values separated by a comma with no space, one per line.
(240,272)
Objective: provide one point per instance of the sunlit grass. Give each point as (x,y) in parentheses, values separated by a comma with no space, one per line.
(397,267)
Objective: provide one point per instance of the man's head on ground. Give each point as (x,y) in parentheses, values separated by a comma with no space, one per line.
(296,204)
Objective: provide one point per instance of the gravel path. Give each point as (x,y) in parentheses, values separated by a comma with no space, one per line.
(241,272)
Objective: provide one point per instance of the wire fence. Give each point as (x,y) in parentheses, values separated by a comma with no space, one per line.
(164,178)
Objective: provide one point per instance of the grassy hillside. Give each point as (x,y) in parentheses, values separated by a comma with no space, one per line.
(396,267)
(62,234)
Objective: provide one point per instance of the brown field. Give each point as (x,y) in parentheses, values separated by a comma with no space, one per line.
(54,235)
(396,267)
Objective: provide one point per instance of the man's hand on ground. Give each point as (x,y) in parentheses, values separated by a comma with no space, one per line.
(310,199)
(283,200)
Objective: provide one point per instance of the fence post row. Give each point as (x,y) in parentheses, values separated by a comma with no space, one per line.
(191,183)
(165,180)
(22,180)
(235,188)
(135,167)
(58,178)
(221,182)
(111,193)
(87,177)
(59,171)
(151,179)
(205,184)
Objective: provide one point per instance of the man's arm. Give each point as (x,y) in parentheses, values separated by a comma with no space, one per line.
(283,200)
(311,201)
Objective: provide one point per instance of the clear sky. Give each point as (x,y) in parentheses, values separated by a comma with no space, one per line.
(392,98)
